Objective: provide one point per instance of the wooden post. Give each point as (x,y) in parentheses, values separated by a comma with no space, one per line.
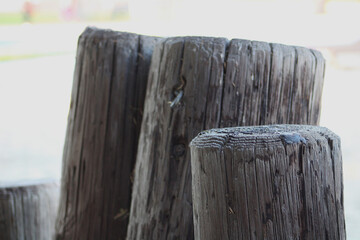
(197,83)
(28,210)
(267,182)
(103,127)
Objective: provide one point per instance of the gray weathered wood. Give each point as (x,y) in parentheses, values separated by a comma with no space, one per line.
(267,182)
(103,128)
(28,210)
(197,83)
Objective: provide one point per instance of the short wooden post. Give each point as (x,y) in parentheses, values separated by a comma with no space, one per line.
(28,210)
(267,182)
(197,83)
(103,127)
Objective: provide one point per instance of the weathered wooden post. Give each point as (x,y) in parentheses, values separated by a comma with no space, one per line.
(267,182)
(103,127)
(197,83)
(28,210)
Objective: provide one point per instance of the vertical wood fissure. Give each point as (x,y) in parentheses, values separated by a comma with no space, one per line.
(279,97)
(113,66)
(247,200)
(303,202)
(331,145)
(172,93)
(208,88)
(248,51)
(170,136)
(313,93)
(170,120)
(291,92)
(269,83)
(227,48)
(274,201)
(227,191)
(257,191)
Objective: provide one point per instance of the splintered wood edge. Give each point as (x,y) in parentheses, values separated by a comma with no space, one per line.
(98,34)
(107,34)
(260,136)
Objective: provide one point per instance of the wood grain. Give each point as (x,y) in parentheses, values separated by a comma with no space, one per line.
(267,182)
(103,127)
(197,83)
(28,210)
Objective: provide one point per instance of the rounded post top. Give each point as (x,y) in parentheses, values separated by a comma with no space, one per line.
(258,136)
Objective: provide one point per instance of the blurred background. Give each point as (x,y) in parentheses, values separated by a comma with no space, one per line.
(38,41)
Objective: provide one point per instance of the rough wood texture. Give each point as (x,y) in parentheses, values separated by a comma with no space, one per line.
(197,83)
(268,182)
(103,128)
(28,210)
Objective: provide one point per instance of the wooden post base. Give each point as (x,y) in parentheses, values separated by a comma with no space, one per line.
(267,182)
(102,134)
(198,83)
(28,210)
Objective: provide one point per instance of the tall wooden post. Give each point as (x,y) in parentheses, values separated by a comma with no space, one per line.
(197,83)
(103,128)
(267,182)
(28,210)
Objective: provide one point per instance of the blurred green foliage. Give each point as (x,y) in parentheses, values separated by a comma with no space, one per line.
(18,18)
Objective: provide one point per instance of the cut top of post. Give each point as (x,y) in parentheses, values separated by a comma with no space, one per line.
(260,136)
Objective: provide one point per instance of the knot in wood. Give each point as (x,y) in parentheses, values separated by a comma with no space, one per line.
(179,149)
